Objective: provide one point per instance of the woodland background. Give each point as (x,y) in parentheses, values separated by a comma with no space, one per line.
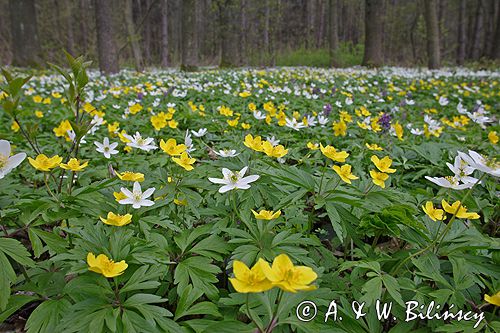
(188,33)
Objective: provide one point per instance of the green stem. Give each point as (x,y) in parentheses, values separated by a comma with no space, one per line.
(445,231)
(261,330)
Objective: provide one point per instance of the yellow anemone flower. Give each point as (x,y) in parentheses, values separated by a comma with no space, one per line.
(116,219)
(253,143)
(105,266)
(383,164)
(131,176)
(172,148)
(44,163)
(493,137)
(266,214)
(274,151)
(344,173)
(286,276)
(248,280)
(459,209)
(185,161)
(495,299)
(373,146)
(119,196)
(379,178)
(74,165)
(312,146)
(433,213)
(332,153)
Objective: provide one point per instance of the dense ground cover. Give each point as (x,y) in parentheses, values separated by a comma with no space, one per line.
(313,178)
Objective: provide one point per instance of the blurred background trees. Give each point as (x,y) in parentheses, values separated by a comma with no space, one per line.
(191,33)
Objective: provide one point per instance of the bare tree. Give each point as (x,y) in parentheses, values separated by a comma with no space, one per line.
(164,34)
(106,47)
(189,52)
(25,43)
(132,36)
(374,20)
(333,31)
(432,29)
(461,33)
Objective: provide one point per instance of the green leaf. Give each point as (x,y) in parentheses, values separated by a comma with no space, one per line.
(7,276)
(14,249)
(47,316)
(15,303)
(335,220)
(145,277)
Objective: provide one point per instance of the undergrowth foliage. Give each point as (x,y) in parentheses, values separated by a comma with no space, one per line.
(217,201)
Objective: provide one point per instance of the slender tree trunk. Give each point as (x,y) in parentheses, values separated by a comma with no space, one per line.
(476,32)
(432,28)
(495,50)
(320,28)
(132,36)
(70,41)
(25,43)
(108,60)
(333,31)
(164,34)
(227,34)
(189,53)
(83,25)
(461,33)
(147,35)
(374,21)
(266,28)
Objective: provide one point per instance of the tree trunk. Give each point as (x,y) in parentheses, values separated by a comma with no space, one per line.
(25,43)
(373,33)
(461,33)
(69,26)
(475,39)
(83,25)
(164,34)
(132,36)
(189,53)
(495,50)
(333,31)
(108,60)
(266,28)
(432,30)
(227,34)
(147,34)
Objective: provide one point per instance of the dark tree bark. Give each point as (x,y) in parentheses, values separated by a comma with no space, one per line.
(70,41)
(475,40)
(25,42)
(461,33)
(132,36)
(333,32)
(228,57)
(189,52)
(432,30)
(164,34)
(108,59)
(374,20)
(147,34)
(495,50)
(83,25)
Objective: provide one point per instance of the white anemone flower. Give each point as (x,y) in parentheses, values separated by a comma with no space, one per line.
(106,148)
(188,142)
(226,153)
(449,182)
(259,115)
(136,197)
(322,120)
(234,180)
(462,170)
(273,141)
(201,132)
(294,124)
(481,163)
(443,101)
(7,162)
(137,141)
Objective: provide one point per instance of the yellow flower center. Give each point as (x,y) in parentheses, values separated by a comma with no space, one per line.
(137,196)
(3,160)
